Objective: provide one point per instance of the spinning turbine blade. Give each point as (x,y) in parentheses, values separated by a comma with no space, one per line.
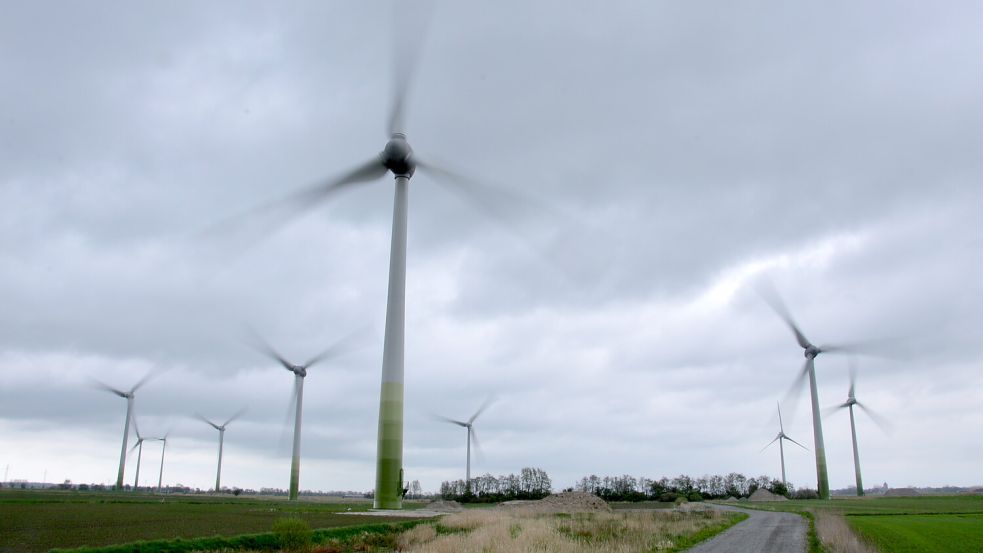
(480,410)
(771,297)
(99,385)
(140,383)
(769,443)
(452,421)
(883,423)
(792,395)
(238,414)
(477,445)
(202,418)
(781,426)
(412,19)
(797,443)
(262,346)
(341,347)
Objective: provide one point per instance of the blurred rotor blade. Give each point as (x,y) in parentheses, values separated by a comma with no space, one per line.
(202,418)
(883,423)
(446,419)
(345,345)
(273,214)
(769,443)
(136,445)
(287,430)
(257,342)
(99,385)
(797,443)
(853,378)
(876,348)
(827,411)
(411,20)
(511,211)
(477,446)
(768,293)
(136,429)
(792,395)
(141,382)
(781,426)
(481,409)
(238,414)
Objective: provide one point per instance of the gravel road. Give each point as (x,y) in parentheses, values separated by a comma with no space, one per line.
(763,532)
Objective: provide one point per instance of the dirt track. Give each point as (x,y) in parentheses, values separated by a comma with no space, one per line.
(762,532)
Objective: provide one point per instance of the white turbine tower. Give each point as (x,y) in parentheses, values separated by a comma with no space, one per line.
(808,371)
(398,158)
(221,443)
(139,447)
(472,437)
(851,400)
(297,399)
(163,449)
(781,448)
(126,425)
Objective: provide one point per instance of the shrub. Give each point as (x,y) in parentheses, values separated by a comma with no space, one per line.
(292,534)
(668,497)
(695,496)
(681,499)
(805,493)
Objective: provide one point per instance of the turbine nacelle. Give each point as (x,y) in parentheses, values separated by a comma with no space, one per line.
(811,351)
(397,156)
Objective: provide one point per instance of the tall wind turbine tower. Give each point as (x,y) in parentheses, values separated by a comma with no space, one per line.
(851,400)
(810,351)
(221,443)
(128,396)
(472,437)
(297,399)
(163,449)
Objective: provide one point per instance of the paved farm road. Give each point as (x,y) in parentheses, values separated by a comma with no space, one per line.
(763,532)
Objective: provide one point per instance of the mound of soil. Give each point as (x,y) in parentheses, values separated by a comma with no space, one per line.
(442,506)
(566,502)
(764,495)
(730,499)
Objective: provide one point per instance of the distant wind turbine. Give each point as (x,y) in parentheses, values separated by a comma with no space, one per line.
(126,425)
(221,442)
(139,447)
(472,436)
(810,351)
(163,449)
(297,399)
(780,438)
(851,400)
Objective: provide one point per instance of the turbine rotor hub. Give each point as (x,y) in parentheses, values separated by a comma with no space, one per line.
(397,156)
(811,352)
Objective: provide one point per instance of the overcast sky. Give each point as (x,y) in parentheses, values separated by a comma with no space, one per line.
(668,156)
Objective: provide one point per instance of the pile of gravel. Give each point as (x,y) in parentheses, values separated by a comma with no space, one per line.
(730,499)
(442,506)
(762,494)
(566,502)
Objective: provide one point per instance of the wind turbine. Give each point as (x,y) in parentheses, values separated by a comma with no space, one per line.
(139,446)
(780,438)
(851,400)
(163,449)
(221,442)
(297,400)
(472,436)
(126,425)
(400,159)
(810,351)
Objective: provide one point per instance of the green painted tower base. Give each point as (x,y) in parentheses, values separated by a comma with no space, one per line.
(389,470)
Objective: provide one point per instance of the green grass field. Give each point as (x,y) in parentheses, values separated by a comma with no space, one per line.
(925,524)
(36,521)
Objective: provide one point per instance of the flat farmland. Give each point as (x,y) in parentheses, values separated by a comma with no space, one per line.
(924,524)
(33,521)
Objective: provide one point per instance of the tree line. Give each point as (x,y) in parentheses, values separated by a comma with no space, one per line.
(629,488)
(530,483)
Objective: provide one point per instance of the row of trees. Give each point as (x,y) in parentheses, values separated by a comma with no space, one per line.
(530,483)
(629,488)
